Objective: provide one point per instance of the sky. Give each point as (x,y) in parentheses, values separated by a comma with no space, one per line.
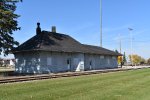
(81,20)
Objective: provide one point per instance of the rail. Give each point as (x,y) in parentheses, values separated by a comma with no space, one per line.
(58,75)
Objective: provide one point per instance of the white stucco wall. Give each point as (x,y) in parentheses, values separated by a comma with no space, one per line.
(95,62)
(61,62)
(27,62)
(51,62)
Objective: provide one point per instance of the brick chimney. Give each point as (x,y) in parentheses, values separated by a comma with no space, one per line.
(38,29)
(54,29)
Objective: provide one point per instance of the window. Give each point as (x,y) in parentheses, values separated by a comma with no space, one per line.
(75,61)
(49,61)
(33,61)
(108,61)
(113,57)
(101,57)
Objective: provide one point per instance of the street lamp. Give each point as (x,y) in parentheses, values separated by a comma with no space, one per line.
(119,42)
(130,30)
(101,23)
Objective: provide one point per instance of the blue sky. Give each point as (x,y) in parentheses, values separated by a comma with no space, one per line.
(81,20)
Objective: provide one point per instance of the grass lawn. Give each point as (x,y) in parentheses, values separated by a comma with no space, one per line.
(130,85)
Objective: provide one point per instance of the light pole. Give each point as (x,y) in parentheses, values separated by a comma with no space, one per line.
(120,42)
(100,23)
(130,30)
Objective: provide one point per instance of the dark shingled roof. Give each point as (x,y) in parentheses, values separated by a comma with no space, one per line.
(51,41)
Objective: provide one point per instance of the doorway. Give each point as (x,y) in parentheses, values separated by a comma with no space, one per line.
(69,64)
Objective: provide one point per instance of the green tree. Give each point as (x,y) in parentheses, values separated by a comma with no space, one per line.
(124,58)
(148,61)
(8,24)
(1,62)
(116,51)
(136,59)
(143,61)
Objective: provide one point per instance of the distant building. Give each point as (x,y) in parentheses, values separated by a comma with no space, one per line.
(48,52)
(7,62)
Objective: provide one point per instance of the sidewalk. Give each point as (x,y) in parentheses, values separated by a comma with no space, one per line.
(126,67)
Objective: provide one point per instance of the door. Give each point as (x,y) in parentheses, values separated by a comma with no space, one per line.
(69,64)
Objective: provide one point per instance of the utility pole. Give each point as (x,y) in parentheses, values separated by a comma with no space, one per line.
(120,42)
(130,30)
(100,23)
(120,50)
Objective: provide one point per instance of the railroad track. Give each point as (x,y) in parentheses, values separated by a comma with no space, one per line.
(50,76)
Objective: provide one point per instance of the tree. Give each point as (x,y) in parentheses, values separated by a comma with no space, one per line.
(1,62)
(136,60)
(148,61)
(124,58)
(119,60)
(8,24)
(143,61)
(116,51)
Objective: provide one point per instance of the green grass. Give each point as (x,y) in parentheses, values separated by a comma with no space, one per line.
(130,85)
